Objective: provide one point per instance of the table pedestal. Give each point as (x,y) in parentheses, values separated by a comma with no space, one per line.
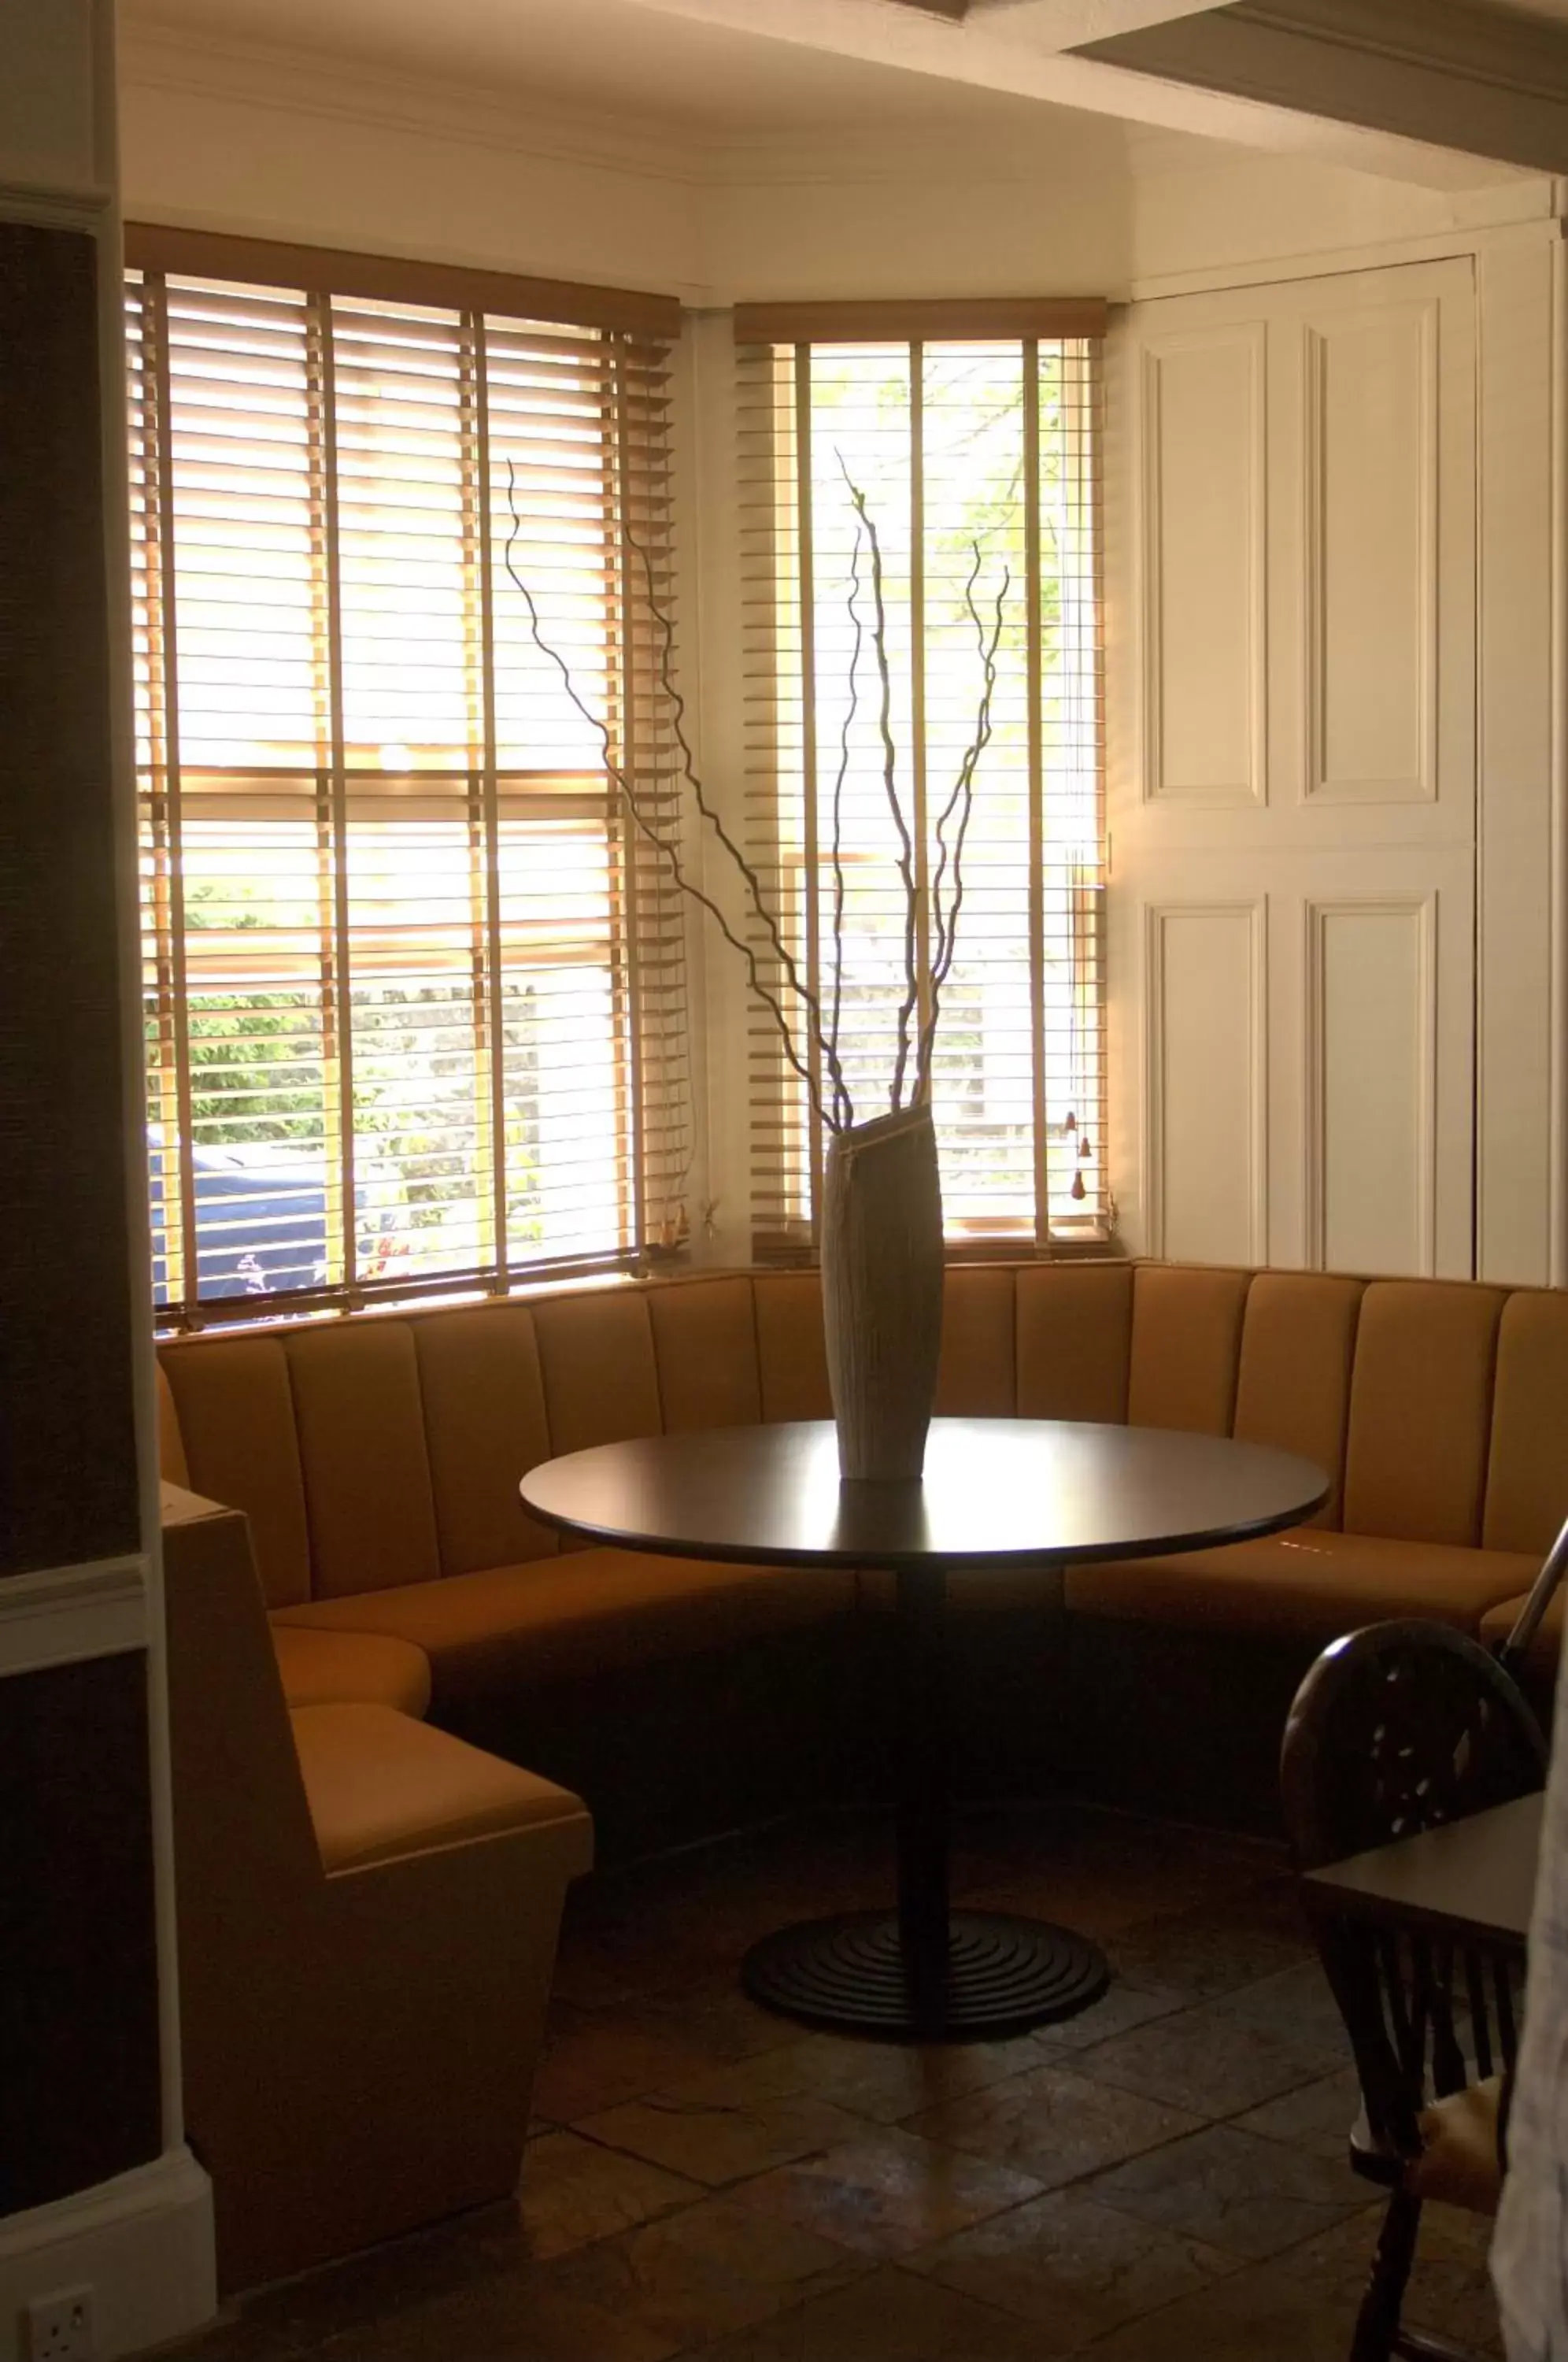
(925,1972)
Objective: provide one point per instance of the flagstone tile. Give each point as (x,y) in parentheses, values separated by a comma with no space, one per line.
(888,2192)
(1073,2269)
(1235,2191)
(574,2191)
(1055,2123)
(716,2140)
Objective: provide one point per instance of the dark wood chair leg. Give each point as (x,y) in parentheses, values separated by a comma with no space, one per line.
(1377,2323)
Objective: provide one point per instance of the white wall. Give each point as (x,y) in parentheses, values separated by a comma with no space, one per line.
(331,159)
(229,143)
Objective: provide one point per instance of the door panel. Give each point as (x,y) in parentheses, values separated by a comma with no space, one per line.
(1293,773)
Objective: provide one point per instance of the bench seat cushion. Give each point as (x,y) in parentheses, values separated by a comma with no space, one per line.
(586,1612)
(1307,1581)
(381,1786)
(351,1669)
(1546,1643)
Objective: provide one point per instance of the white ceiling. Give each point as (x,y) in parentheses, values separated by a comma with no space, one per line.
(791,74)
(611,57)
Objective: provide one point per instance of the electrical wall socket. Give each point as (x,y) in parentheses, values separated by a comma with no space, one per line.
(59,2327)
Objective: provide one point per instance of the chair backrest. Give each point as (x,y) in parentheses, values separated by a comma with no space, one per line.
(1395,1730)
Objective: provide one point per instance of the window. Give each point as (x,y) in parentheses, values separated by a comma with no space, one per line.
(413,1004)
(973,434)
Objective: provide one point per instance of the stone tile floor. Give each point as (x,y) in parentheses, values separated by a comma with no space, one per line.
(1161,2180)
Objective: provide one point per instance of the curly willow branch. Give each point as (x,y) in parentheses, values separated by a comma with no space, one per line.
(964,794)
(890,781)
(827,1044)
(844,1103)
(661,844)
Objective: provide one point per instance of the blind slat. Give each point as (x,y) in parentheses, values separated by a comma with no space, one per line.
(398,968)
(976,445)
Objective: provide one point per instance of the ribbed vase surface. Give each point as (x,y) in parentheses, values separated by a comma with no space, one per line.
(881,1251)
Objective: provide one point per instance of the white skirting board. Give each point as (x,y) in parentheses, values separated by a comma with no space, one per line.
(143,2243)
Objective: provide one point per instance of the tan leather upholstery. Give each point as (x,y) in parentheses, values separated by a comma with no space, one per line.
(600,1380)
(1075,1341)
(1526,1480)
(977,1377)
(586,1611)
(358,2048)
(416,1429)
(172,1465)
(1306,1581)
(1187,1336)
(1293,1387)
(485,1428)
(705,1334)
(237,1417)
(1546,1641)
(1459,2164)
(1421,1406)
(790,1354)
(351,1669)
(380,1785)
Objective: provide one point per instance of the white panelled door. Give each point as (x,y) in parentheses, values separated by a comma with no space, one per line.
(1292,799)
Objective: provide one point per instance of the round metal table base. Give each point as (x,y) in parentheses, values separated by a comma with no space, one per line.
(1004,1975)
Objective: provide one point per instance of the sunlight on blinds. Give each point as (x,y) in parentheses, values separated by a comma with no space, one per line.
(977,461)
(414,1005)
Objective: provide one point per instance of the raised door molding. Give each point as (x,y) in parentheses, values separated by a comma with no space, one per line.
(1205,1079)
(1203,555)
(1369,554)
(1371,1076)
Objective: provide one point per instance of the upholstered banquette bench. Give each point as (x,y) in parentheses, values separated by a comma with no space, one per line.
(384,1601)
(376,1458)
(367,1911)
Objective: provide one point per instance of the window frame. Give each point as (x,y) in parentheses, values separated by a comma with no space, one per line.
(774,344)
(643,918)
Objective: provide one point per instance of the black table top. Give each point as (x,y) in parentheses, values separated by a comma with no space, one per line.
(996,1492)
(1474,1878)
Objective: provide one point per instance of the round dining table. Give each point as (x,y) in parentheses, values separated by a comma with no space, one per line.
(1026,1493)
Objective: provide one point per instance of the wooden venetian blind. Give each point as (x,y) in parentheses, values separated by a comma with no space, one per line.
(414,1009)
(972,431)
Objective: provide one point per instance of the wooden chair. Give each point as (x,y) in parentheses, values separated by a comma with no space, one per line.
(1395,1730)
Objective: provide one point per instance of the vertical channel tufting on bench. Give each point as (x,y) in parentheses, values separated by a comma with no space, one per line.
(1421,1409)
(485,1426)
(977,1374)
(1074,1326)
(1187,1342)
(367,1472)
(1293,1388)
(236,1415)
(600,1379)
(174,1467)
(705,1334)
(790,1351)
(1526,1478)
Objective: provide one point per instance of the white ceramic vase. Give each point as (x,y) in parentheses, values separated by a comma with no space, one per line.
(881,1254)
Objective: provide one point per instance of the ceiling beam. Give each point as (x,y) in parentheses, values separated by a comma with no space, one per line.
(1023,47)
(1487,80)
(1052,25)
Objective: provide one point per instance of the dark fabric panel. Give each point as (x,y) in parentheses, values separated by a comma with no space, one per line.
(79,2080)
(67,1454)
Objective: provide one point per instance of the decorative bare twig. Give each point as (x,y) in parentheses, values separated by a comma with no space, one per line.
(827,1042)
(821,1040)
(889,780)
(946,926)
(845,1104)
(662,844)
